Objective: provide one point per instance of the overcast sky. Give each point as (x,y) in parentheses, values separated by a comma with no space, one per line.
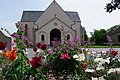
(91,12)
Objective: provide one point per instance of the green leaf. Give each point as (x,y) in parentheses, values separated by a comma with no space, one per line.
(0,62)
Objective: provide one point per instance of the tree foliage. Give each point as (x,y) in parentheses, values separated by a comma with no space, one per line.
(99,36)
(113,5)
(86,37)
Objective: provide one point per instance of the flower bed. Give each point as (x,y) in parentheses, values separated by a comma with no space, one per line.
(62,61)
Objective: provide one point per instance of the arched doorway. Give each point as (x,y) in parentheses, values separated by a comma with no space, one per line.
(55,34)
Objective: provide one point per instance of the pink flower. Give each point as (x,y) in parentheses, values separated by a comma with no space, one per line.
(25,38)
(64,56)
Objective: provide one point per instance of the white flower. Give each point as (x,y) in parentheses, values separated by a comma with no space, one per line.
(103,52)
(94,78)
(44,59)
(25,52)
(102,61)
(118,70)
(99,60)
(1,51)
(101,78)
(119,60)
(107,60)
(94,53)
(111,70)
(79,57)
(87,49)
(0,69)
(88,52)
(114,70)
(98,55)
(100,67)
(40,51)
(89,70)
(113,58)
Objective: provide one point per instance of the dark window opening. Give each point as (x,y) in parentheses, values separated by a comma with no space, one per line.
(42,37)
(68,36)
(55,35)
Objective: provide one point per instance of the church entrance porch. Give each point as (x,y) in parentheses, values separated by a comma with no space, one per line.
(55,34)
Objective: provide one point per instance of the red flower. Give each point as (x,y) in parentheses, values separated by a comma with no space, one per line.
(43,46)
(84,65)
(114,53)
(36,62)
(80,50)
(11,55)
(2,45)
(35,49)
(64,56)
(38,45)
(89,77)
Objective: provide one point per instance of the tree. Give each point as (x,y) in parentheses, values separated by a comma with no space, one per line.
(99,36)
(86,37)
(113,5)
(96,37)
(103,35)
(92,37)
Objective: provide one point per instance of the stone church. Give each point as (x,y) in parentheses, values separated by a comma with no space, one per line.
(44,26)
(6,37)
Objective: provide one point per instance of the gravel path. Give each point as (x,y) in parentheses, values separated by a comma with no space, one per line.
(31,52)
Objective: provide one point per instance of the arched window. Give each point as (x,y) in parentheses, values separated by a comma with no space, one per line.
(26,29)
(68,36)
(42,37)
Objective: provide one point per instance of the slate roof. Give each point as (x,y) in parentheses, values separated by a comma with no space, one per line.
(32,16)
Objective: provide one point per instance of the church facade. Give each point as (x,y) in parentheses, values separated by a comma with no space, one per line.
(44,26)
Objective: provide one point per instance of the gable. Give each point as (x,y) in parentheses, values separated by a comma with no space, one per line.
(54,10)
(50,25)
